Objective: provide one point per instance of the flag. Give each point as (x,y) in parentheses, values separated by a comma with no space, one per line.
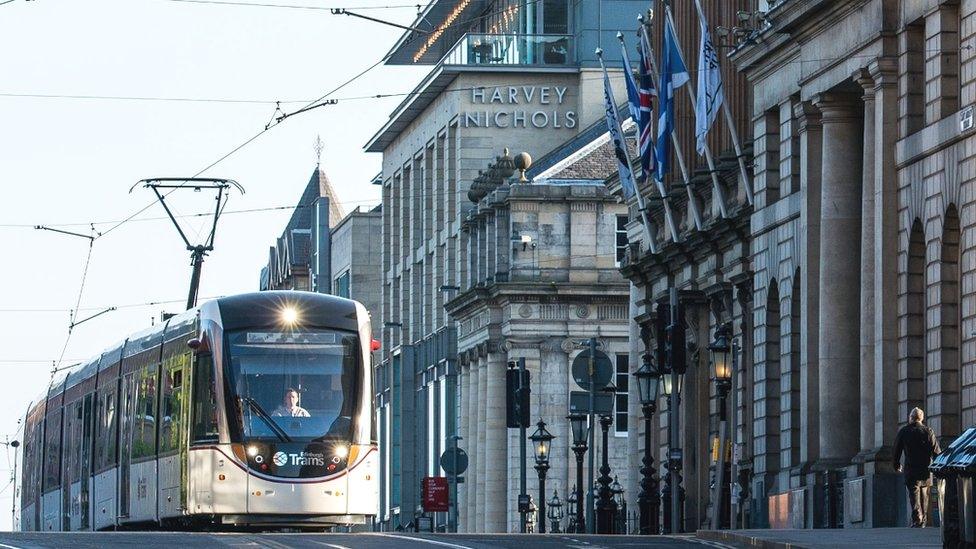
(617,138)
(647,94)
(710,95)
(674,74)
(639,102)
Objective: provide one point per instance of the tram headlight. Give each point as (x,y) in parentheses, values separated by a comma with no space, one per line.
(289,315)
(252,451)
(342,451)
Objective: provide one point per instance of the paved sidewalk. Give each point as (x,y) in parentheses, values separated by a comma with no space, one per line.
(822,539)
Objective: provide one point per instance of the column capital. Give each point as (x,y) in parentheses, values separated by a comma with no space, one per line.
(863,77)
(837,107)
(884,72)
(807,115)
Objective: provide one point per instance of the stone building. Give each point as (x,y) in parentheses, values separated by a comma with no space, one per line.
(539,274)
(356,256)
(299,260)
(863,288)
(510,74)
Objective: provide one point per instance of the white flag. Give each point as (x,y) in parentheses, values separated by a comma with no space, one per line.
(710,95)
(617,137)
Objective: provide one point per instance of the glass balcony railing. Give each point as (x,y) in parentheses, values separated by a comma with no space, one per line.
(512,49)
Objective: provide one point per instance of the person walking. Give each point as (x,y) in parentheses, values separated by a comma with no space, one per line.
(919,445)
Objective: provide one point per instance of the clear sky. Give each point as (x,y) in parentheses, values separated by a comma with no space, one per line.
(66,161)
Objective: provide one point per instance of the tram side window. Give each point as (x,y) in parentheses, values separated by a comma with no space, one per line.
(106,440)
(173,409)
(204,400)
(72,439)
(52,452)
(144,422)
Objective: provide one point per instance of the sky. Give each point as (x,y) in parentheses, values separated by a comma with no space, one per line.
(66,163)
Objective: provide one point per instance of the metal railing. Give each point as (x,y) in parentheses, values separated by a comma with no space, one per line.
(512,49)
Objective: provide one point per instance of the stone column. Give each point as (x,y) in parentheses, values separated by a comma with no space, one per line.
(862,77)
(840,234)
(479,510)
(811,143)
(464,384)
(884,73)
(496,446)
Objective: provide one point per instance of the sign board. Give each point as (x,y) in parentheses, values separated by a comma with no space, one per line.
(602,369)
(579,403)
(436,495)
(676,454)
(966,119)
(425,524)
(452,456)
(524,503)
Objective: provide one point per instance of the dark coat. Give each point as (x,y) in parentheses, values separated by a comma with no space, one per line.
(919,445)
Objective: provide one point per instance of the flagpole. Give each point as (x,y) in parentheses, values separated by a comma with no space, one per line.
(716,185)
(733,133)
(651,244)
(668,216)
(692,203)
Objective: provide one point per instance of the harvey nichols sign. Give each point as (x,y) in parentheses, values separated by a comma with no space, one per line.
(519,107)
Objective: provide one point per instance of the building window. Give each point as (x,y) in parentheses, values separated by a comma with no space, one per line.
(341,285)
(621,235)
(620,404)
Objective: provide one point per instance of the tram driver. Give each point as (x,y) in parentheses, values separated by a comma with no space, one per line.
(290,407)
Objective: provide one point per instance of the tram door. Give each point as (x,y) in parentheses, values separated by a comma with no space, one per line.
(125,442)
(86,461)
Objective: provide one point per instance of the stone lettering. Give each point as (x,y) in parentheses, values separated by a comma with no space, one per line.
(560,94)
(498,115)
(570,119)
(512,94)
(472,120)
(536,116)
(477,93)
(529,92)
(544,95)
(555,119)
(496,96)
(518,117)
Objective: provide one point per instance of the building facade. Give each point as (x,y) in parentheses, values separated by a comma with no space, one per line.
(863,287)
(299,260)
(356,256)
(505,74)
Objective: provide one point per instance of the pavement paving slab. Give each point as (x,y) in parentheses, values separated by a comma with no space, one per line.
(915,538)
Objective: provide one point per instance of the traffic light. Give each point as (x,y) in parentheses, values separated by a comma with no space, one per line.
(516,400)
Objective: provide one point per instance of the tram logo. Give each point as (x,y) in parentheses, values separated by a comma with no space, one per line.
(280,458)
(301,459)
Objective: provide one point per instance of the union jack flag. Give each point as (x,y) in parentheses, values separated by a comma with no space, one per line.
(647,93)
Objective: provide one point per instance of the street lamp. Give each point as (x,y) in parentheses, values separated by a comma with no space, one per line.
(541,441)
(648,384)
(555,511)
(620,520)
(720,349)
(571,501)
(606,507)
(580,429)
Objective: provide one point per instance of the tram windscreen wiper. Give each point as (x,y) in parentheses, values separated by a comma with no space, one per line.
(278,431)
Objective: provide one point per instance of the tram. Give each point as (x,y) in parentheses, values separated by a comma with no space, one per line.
(250,411)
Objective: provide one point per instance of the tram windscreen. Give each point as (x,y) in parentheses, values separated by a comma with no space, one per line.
(295,386)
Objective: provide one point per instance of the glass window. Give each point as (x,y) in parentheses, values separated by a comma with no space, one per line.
(171,429)
(555,17)
(204,400)
(621,400)
(52,451)
(106,438)
(296,386)
(341,286)
(144,421)
(395,421)
(621,235)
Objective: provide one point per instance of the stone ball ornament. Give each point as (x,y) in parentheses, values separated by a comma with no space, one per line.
(523,161)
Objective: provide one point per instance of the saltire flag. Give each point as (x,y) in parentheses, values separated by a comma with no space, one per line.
(710,93)
(647,94)
(617,138)
(674,74)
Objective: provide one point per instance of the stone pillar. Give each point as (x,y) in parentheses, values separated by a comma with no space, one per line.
(496,446)
(862,77)
(479,459)
(884,73)
(464,385)
(840,234)
(811,143)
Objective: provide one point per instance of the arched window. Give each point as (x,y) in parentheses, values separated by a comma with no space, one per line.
(911,371)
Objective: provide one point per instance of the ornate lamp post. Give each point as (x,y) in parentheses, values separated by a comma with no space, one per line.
(648,383)
(541,442)
(620,523)
(580,430)
(720,350)
(571,501)
(671,387)
(606,507)
(555,512)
